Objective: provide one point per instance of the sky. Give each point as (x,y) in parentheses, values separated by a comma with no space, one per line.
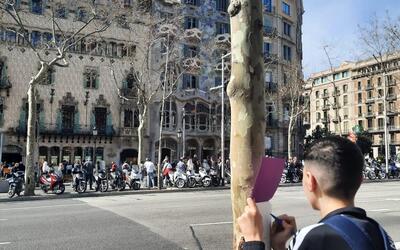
(335,24)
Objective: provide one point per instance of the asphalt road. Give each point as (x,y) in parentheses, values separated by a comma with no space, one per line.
(200,220)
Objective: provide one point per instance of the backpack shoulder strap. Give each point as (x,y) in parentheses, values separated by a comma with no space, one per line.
(355,237)
(388,241)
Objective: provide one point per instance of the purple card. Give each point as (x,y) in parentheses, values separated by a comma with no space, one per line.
(268,178)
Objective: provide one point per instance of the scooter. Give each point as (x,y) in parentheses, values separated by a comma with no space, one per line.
(132,179)
(51,182)
(200,179)
(118,180)
(215,179)
(15,183)
(101,181)
(79,180)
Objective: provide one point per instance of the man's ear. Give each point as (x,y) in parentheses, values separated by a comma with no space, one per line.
(311,182)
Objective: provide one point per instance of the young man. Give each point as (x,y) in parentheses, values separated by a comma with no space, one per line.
(332,175)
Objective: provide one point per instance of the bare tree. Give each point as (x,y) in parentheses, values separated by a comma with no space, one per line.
(291,94)
(246,94)
(379,42)
(151,81)
(62,40)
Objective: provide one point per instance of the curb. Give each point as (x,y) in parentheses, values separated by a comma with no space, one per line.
(108,193)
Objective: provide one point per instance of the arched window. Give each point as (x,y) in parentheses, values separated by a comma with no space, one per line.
(202,116)
(169,115)
(190,121)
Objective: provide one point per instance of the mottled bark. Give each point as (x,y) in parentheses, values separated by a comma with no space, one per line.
(246,93)
(142,120)
(30,143)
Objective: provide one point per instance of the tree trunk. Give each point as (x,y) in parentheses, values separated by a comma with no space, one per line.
(290,130)
(246,92)
(30,143)
(142,120)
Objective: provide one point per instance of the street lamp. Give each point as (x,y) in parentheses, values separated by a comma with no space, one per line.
(183,132)
(179,134)
(52,93)
(222,87)
(94,152)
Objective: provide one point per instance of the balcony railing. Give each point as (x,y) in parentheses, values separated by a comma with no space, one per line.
(369,87)
(58,129)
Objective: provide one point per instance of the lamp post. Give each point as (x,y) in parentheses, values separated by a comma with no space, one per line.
(86,104)
(94,151)
(179,134)
(183,132)
(222,87)
(52,93)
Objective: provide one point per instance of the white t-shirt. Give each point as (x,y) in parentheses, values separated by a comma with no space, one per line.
(149,166)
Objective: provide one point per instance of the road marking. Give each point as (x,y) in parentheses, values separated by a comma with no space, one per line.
(3,219)
(5,243)
(393,199)
(379,210)
(23,208)
(212,223)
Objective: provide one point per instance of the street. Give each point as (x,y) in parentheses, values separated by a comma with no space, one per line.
(190,220)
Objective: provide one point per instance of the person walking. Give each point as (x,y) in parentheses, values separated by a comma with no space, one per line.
(150,168)
(88,166)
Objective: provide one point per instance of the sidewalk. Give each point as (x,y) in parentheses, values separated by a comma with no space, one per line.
(69,193)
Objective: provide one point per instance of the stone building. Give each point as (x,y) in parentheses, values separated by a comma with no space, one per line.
(353,95)
(83,96)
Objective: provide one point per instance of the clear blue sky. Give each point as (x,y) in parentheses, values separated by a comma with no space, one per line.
(335,23)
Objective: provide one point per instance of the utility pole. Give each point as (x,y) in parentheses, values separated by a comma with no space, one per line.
(183,131)
(386,124)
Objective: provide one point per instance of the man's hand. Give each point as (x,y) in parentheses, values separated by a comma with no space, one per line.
(250,222)
(281,233)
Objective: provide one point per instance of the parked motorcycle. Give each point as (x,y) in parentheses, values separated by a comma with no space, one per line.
(79,180)
(200,179)
(293,175)
(370,172)
(215,179)
(118,180)
(379,171)
(132,179)
(51,182)
(394,170)
(101,181)
(15,183)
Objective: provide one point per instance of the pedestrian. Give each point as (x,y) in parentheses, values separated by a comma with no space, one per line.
(88,166)
(150,168)
(190,165)
(332,177)
(45,168)
(166,171)
(206,166)
(196,164)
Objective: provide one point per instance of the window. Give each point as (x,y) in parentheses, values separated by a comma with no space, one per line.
(100,115)
(345,74)
(91,78)
(190,51)
(128,118)
(127,3)
(222,5)
(36,38)
(318,119)
(370,123)
(380,93)
(317,94)
(317,105)
(345,100)
(345,88)
(336,76)
(345,127)
(169,115)
(379,82)
(286,8)
(390,92)
(11,35)
(67,113)
(369,94)
(191,23)
(381,123)
(359,97)
(61,12)
(222,28)
(81,14)
(37,6)
(287,28)
(359,87)
(346,113)
(287,53)
(267,5)
(266,49)
(192,2)
(380,108)
(391,107)
(50,76)
(360,123)
(369,109)
(202,116)
(189,81)
(360,111)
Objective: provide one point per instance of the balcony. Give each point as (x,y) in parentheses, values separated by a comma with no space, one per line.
(167,29)
(326,107)
(370,114)
(369,87)
(270,58)
(336,93)
(271,87)
(392,83)
(325,95)
(227,67)
(193,35)
(192,65)
(128,92)
(223,41)
(369,100)
(128,131)
(391,97)
(270,31)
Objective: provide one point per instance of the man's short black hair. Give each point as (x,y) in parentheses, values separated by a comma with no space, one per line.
(341,162)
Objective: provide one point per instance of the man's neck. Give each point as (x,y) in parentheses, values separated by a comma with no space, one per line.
(329,204)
